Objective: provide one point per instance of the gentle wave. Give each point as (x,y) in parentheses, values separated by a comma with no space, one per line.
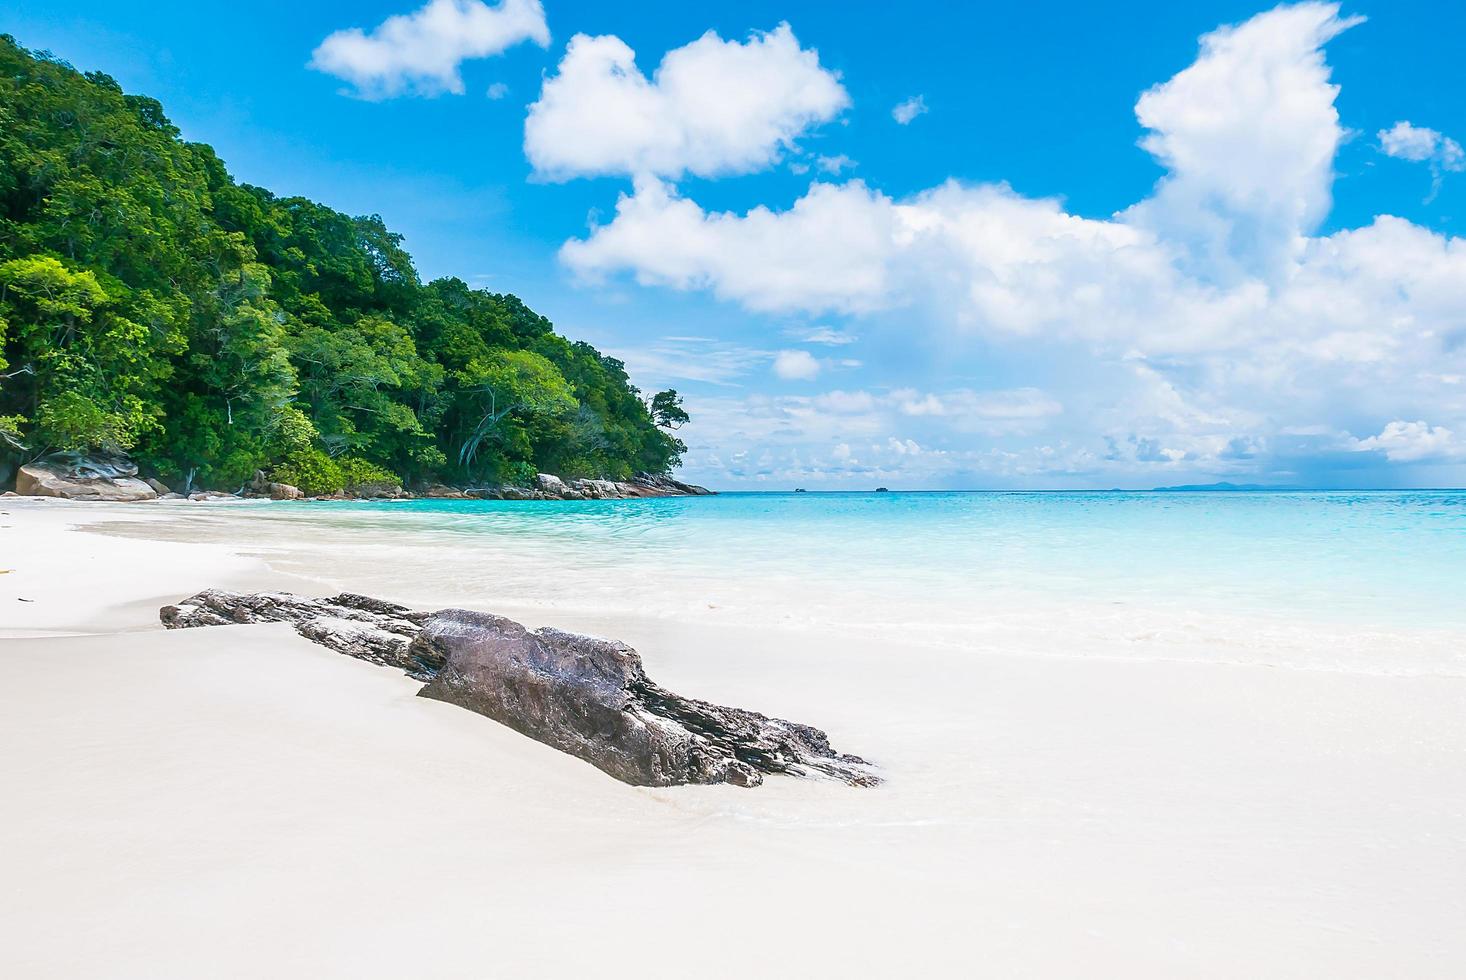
(1368,581)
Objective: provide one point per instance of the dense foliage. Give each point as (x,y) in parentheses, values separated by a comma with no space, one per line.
(150,304)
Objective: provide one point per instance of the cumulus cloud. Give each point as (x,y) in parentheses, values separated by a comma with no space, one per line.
(1421,144)
(1247,134)
(906,111)
(1405,442)
(1209,316)
(831,251)
(421,52)
(796,365)
(712,107)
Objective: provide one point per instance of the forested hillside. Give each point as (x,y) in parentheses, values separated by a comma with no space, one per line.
(151,305)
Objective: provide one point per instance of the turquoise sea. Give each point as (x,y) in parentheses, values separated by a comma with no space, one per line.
(1357,580)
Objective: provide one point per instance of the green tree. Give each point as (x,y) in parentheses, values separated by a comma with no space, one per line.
(667,410)
(83,367)
(510,381)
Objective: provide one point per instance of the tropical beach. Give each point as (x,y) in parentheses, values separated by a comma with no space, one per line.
(241,797)
(551,488)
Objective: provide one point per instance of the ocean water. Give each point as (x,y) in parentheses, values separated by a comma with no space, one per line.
(1343,580)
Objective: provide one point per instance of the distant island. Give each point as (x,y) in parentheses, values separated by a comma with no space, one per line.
(212,331)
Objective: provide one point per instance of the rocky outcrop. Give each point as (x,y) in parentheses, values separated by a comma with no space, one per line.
(82,477)
(592,699)
(547,486)
(356,625)
(114,478)
(587,697)
(263,486)
(440,492)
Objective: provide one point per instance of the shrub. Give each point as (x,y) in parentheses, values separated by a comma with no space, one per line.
(312,471)
(357,472)
(518,474)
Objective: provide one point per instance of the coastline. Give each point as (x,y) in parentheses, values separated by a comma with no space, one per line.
(240,797)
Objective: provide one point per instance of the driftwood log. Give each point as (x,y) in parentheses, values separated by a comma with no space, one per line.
(585,696)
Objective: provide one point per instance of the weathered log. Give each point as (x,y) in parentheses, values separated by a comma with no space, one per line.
(588,697)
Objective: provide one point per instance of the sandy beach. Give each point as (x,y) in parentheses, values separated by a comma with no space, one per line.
(238,802)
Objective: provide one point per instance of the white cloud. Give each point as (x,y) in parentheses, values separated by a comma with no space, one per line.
(1208,326)
(1018,403)
(421,52)
(828,336)
(846,402)
(497,91)
(1420,144)
(1210,329)
(712,107)
(704,359)
(796,365)
(1247,134)
(843,438)
(1404,442)
(831,251)
(905,112)
(834,164)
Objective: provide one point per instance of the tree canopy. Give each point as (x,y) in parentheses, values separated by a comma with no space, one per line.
(150,304)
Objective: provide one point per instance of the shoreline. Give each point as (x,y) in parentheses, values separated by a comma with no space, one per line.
(238,796)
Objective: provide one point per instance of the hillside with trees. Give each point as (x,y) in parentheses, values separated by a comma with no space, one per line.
(150,305)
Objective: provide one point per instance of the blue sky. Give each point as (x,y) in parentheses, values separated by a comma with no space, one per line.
(1007,290)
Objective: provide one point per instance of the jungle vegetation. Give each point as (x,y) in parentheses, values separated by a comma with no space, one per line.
(151,305)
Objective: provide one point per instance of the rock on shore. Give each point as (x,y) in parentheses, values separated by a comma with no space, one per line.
(547,486)
(78,477)
(588,697)
(114,478)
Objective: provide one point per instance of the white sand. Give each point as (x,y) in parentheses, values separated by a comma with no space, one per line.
(238,802)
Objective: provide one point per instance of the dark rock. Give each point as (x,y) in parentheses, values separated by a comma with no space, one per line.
(376,491)
(667,486)
(592,699)
(547,486)
(159,487)
(585,696)
(283,491)
(358,626)
(440,492)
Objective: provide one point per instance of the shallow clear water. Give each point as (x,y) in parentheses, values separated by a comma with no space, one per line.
(1388,557)
(1355,579)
